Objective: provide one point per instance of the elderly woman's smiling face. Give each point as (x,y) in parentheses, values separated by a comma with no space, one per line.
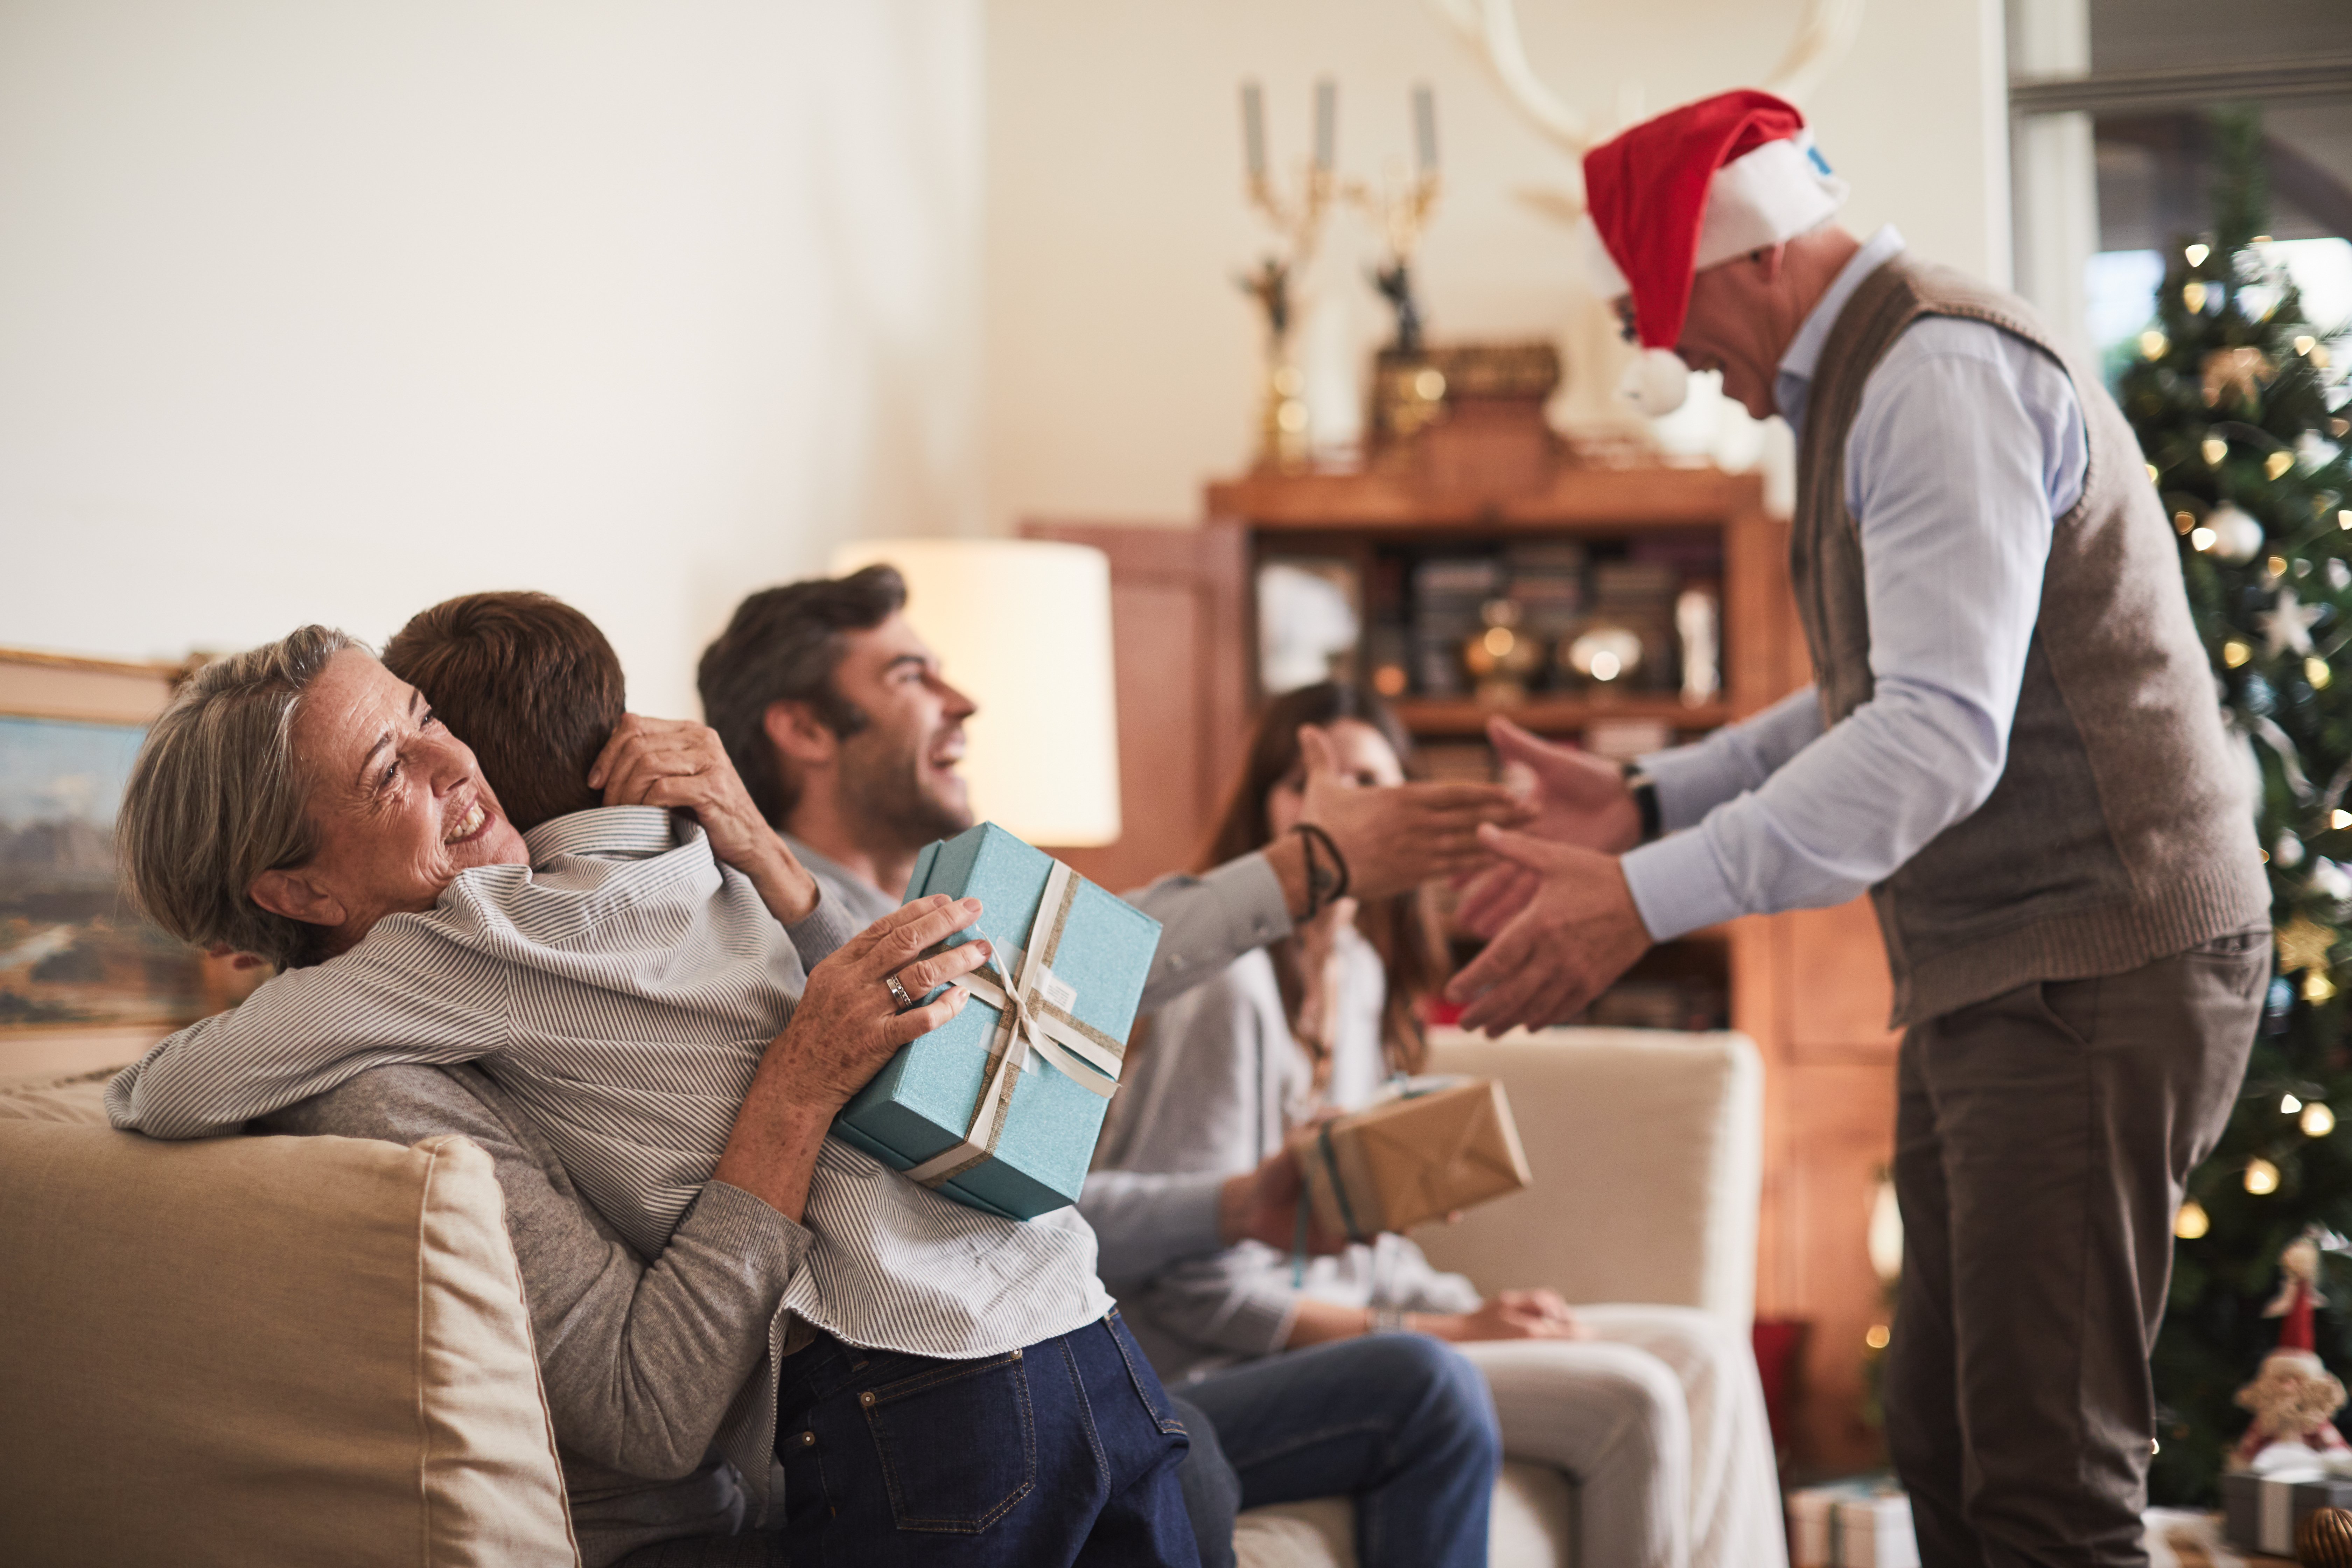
(399,805)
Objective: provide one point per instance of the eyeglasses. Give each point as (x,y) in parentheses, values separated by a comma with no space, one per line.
(1627,327)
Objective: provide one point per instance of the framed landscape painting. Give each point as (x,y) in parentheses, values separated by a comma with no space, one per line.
(85,982)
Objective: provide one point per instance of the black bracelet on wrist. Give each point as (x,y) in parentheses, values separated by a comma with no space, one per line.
(1645,791)
(1314,879)
(1323,886)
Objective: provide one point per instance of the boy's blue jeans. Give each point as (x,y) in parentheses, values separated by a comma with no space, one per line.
(1064,1452)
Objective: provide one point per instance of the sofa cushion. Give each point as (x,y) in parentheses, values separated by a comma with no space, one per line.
(1532,1526)
(264,1350)
(1647,1148)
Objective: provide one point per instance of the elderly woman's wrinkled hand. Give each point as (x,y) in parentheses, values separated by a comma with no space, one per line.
(682,765)
(849,1023)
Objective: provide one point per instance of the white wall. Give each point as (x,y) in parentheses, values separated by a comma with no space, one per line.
(327,312)
(1120,356)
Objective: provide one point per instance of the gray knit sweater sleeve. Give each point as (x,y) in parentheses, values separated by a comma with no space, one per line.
(824,928)
(640,1361)
(1208,921)
(1145,1220)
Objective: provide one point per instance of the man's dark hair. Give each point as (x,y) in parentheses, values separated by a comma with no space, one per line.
(784,646)
(527,682)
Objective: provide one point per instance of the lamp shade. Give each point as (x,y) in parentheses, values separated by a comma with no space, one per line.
(1023,628)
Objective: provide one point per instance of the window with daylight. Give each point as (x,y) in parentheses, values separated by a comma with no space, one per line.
(2113,148)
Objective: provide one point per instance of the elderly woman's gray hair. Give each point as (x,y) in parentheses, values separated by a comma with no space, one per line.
(216,799)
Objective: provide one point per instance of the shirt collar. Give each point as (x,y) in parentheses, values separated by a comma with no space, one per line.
(608,830)
(1794,382)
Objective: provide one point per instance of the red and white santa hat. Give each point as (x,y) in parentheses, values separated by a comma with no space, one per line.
(1697,185)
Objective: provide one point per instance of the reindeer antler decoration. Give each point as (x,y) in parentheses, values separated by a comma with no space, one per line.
(1824,34)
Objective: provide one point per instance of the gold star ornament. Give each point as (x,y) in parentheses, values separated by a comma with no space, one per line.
(2286,626)
(2304,943)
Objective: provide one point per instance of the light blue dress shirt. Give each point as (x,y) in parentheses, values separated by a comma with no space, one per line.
(1967,446)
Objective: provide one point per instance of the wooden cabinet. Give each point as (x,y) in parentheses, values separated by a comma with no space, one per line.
(1811,988)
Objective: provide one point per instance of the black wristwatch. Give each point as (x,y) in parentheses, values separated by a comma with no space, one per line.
(1645,791)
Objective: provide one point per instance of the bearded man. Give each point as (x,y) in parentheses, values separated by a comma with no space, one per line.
(852,731)
(2013,742)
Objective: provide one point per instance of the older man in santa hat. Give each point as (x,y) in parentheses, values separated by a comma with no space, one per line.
(2013,742)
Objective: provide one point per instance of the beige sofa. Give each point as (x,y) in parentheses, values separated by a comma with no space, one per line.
(298,1351)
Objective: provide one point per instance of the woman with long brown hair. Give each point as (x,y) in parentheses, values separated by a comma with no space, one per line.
(1403,932)
(1655,1411)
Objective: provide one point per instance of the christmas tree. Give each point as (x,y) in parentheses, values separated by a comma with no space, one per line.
(2238,417)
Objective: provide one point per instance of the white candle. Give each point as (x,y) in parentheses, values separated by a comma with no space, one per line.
(1424,126)
(1326,117)
(1254,129)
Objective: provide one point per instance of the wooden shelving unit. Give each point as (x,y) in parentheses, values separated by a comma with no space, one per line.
(1356,515)
(1588,499)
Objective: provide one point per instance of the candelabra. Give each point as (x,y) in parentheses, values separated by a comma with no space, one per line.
(1297,222)
(1401,209)
(1408,392)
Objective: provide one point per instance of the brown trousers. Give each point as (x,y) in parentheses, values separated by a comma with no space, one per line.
(2043,1139)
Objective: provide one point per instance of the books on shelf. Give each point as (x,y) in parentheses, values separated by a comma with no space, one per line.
(1427,610)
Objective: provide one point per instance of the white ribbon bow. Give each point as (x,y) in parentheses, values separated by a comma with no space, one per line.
(1029,1027)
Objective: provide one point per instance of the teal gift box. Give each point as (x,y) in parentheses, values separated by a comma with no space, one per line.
(1000,1107)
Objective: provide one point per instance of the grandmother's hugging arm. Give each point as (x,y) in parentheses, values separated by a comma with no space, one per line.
(300,1034)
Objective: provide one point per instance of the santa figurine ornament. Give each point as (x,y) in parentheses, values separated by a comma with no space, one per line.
(1693,188)
(2295,1397)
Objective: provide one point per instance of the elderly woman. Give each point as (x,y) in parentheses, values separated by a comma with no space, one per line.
(629,992)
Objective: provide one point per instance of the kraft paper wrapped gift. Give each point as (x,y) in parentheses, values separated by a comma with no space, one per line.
(1000,1107)
(2260,1512)
(1437,1146)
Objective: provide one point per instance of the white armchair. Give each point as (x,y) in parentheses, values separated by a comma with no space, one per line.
(1647,1150)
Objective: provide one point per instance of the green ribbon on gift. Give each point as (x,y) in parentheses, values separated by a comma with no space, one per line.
(1031,1031)
(1400,1087)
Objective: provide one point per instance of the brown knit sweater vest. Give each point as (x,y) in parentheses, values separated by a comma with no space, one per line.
(2119,831)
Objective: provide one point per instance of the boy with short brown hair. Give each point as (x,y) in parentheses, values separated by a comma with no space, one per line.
(528,683)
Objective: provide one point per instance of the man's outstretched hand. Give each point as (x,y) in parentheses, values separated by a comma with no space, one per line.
(1398,837)
(1577,798)
(1576,933)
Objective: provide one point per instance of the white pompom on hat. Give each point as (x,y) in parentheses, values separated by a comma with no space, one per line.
(1656,384)
(1691,189)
